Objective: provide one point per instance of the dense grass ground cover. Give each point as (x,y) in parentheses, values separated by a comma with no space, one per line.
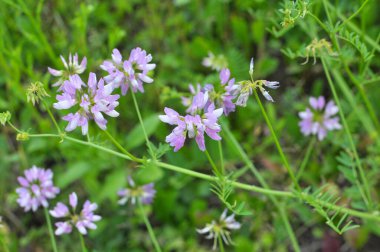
(289,192)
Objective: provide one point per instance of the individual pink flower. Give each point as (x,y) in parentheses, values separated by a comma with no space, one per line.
(36,188)
(82,221)
(320,118)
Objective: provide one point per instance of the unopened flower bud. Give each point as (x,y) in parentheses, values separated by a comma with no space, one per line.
(5,117)
(251,65)
(22,136)
(35,92)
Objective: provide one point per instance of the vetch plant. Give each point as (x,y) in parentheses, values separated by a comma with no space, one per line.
(208,106)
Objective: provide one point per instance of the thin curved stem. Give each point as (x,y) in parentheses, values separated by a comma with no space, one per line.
(51,233)
(306,158)
(355,13)
(149,227)
(221,156)
(221,245)
(83,244)
(141,121)
(367,198)
(121,148)
(15,128)
(214,167)
(262,181)
(52,117)
(277,143)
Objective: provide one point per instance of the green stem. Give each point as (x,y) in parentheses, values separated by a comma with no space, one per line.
(121,148)
(318,21)
(306,158)
(371,81)
(357,84)
(221,245)
(141,120)
(233,183)
(366,199)
(149,227)
(356,13)
(90,144)
(52,117)
(221,156)
(327,12)
(14,127)
(216,171)
(83,244)
(261,180)
(353,27)
(269,192)
(277,143)
(51,233)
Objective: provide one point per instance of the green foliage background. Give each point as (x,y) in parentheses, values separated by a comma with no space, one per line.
(179,34)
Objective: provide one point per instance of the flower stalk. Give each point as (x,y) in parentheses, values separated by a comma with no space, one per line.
(51,233)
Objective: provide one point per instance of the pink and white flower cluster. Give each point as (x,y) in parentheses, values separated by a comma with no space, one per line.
(91,101)
(131,73)
(82,221)
(319,118)
(36,189)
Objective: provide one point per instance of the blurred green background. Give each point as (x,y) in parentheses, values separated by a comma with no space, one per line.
(178,34)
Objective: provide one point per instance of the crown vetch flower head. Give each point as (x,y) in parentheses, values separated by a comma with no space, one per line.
(192,126)
(94,100)
(36,188)
(71,68)
(221,228)
(320,118)
(229,90)
(221,96)
(129,73)
(187,100)
(82,221)
(144,193)
(246,87)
